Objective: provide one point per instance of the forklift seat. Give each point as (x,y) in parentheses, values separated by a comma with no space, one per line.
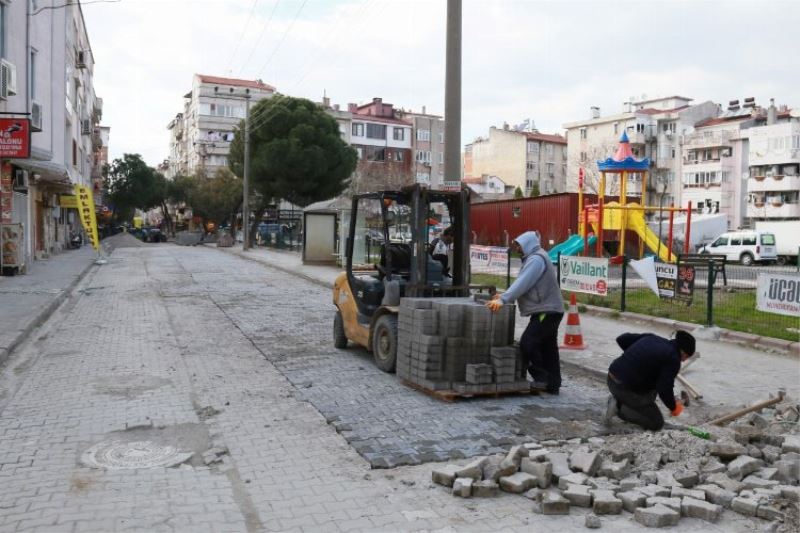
(400,254)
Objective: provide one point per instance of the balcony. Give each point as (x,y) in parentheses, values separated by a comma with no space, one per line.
(777,183)
(708,139)
(688,161)
(761,209)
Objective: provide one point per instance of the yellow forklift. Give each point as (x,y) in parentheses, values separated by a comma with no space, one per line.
(388,258)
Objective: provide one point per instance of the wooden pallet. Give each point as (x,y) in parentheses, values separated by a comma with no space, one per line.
(450,395)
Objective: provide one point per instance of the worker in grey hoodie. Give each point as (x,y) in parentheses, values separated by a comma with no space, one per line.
(538,296)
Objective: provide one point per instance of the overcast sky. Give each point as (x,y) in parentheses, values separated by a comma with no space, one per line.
(545,60)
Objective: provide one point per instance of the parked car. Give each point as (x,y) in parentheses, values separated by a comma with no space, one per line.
(745,246)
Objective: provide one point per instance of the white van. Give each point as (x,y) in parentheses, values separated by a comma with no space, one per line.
(747,246)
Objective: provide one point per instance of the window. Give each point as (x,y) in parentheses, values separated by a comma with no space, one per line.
(376,131)
(441,137)
(548,150)
(583,133)
(668,127)
(616,128)
(399,134)
(531,165)
(33,74)
(639,128)
(441,158)
(423,135)
(423,177)
(583,157)
(358,129)
(423,156)
(722,241)
(767,239)
(376,153)
(795,142)
(74,153)
(749,240)
(222,110)
(551,168)
(360,152)
(529,184)
(398,156)
(737,241)
(533,148)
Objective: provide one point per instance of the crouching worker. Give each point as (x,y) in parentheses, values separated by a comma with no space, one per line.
(647,368)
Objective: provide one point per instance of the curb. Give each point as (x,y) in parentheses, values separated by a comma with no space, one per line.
(41,317)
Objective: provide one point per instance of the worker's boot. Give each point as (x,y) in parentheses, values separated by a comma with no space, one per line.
(538,387)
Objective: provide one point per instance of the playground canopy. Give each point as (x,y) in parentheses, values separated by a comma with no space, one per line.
(623,160)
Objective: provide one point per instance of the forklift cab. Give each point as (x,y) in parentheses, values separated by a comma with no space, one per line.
(387,248)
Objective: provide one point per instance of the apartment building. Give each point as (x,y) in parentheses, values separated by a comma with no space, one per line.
(773,179)
(47,76)
(201,134)
(654,128)
(530,160)
(427,145)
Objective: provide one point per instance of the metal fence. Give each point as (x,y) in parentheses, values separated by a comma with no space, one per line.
(722,295)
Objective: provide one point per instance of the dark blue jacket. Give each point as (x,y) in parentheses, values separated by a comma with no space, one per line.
(648,363)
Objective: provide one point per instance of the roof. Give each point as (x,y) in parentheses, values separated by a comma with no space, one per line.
(721,120)
(385,120)
(663,98)
(654,111)
(253,84)
(546,137)
(623,159)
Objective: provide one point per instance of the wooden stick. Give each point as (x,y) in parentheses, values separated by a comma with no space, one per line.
(688,362)
(689,388)
(741,412)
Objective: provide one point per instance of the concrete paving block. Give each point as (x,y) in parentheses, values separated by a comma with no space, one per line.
(672,503)
(497,467)
(586,462)
(767,473)
(542,471)
(755,482)
(656,516)
(553,503)
(725,482)
(686,478)
(770,512)
(516,453)
(790,493)
(694,508)
(578,495)
(560,463)
(630,483)
(605,502)
(665,478)
(727,450)
(716,494)
(576,478)
(768,494)
(473,469)
(592,521)
(462,487)
(445,475)
(485,489)
(619,455)
(714,467)
(534,494)
(632,500)
(680,492)
(788,470)
(743,466)
(539,454)
(745,506)
(517,483)
(771,453)
(603,483)
(614,470)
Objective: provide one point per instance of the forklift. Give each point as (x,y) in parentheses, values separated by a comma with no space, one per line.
(388,258)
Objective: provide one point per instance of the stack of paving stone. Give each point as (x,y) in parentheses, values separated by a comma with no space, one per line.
(752,469)
(458,345)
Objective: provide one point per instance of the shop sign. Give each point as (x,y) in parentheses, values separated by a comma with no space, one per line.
(584,274)
(15,138)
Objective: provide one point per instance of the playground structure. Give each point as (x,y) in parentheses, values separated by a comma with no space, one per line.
(622,216)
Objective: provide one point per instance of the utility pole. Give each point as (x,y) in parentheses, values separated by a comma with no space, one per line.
(246,184)
(452,94)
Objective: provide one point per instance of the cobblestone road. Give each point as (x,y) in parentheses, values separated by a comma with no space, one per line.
(199,350)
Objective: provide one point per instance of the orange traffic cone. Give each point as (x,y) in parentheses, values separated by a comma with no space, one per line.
(573,339)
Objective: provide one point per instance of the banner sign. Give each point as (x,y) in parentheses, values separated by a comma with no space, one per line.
(778,293)
(15,138)
(584,274)
(68,201)
(667,276)
(6,193)
(86,213)
(488,259)
(11,240)
(684,288)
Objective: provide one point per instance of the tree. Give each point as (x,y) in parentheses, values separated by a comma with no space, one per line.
(296,152)
(588,160)
(215,199)
(518,193)
(535,190)
(134,185)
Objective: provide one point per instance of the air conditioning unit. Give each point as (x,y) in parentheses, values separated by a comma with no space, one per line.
(82,59)
(86,127)
(20,180)
(8,79)
(769,174)
(36,116)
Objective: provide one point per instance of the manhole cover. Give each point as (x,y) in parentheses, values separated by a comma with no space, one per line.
(118,455)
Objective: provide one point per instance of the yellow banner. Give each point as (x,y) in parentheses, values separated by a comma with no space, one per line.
(86,212)
(68,201)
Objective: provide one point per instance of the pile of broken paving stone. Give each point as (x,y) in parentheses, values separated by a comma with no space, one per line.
(752,468)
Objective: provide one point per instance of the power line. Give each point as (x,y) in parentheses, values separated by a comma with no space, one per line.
(261,35)
(49,8)
(242,34)
(283,38)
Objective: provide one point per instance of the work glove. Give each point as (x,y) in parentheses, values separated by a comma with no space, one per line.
(678,408)
(494,305)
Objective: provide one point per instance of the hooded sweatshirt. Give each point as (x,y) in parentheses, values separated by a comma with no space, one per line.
(536,289)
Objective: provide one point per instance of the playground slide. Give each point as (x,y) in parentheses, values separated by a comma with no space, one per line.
(572,246)
(636,223)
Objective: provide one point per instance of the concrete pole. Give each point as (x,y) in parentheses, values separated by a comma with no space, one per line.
(246,184)
(452,94)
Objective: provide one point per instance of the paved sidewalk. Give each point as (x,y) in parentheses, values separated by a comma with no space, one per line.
(27,300)
(728,374)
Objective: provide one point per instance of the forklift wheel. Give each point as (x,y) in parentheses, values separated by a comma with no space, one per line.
(339,337)
(384,343)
